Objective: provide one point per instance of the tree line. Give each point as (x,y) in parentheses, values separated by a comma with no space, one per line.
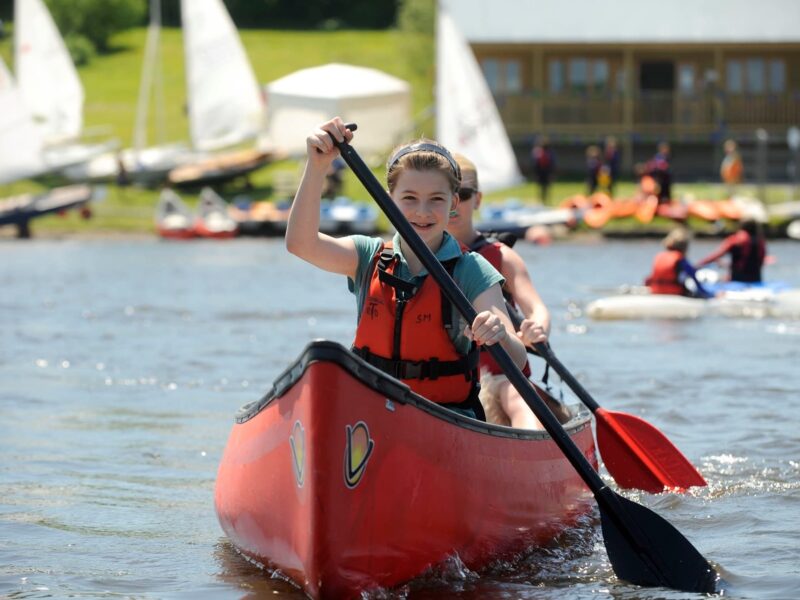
(88,25)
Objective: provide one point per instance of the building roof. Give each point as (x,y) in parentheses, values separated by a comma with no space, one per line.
(627,21)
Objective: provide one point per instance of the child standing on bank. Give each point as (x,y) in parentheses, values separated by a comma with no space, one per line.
(405,327)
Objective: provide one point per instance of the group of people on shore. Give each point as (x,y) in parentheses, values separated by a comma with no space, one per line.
(405,326)
(603,168)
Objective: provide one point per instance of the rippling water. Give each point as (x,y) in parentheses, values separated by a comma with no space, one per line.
(122,364)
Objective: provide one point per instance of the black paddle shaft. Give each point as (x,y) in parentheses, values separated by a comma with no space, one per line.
(633,553)
(544,350)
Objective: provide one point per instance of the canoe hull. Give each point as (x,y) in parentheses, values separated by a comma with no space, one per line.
(345,486)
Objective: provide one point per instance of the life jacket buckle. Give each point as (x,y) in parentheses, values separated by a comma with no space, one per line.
(411,370)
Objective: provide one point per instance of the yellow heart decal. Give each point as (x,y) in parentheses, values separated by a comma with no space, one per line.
(297,440)
(357,452)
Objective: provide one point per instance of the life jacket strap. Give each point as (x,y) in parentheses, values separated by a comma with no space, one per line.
(423,369)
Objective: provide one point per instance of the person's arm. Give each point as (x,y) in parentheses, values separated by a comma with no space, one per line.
(303,238)
(535,327)
(492,325)
(721,251)
(689,271)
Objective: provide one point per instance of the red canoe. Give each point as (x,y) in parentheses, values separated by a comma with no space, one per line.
(344,480)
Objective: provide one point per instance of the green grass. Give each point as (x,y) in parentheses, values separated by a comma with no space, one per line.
(111,85)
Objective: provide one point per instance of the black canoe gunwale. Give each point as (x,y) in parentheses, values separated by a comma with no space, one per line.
(392,389)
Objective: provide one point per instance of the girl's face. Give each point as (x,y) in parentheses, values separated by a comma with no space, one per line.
(425,199)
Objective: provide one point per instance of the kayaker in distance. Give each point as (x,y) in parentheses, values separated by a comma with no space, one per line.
(671,269)
(747,250)
(405,326)
(501,401)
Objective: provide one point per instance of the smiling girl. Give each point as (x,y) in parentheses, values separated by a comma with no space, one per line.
(405,326)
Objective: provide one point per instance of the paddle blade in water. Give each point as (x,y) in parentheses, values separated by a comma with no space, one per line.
(639,456)
(646,550)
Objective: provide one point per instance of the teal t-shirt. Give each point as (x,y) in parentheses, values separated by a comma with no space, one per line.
(473,273)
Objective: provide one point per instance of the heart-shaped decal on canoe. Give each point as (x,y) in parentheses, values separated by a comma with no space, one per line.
(298,443)
(357,452)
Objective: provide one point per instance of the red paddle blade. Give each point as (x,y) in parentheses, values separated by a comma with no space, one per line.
(639,456)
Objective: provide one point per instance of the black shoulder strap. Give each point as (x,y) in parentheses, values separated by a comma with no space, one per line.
(449,320)
(479,242)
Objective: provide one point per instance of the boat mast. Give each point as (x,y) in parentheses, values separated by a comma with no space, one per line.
(149,67)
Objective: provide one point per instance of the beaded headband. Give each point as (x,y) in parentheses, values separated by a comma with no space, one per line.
(426,147)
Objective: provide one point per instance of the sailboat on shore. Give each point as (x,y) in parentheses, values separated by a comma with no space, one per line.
(20,140)
(143,164)
(467,119)
(225,107)
(50,87)
(21,158)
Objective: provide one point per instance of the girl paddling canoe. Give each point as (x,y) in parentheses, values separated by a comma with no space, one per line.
(405,326)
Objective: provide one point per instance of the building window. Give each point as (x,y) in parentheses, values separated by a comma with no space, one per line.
(600,75)
(502,76)
(555,71)
(513,76)
(492,73)
(579,75)
(686,79)
(777,76)
(621,79)
(755,76)
(734,77)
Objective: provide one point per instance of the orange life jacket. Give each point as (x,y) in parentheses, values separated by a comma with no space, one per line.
(491,250)
(664,278)
(408,331)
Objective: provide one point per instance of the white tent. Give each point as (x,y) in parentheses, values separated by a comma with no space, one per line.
(379,103)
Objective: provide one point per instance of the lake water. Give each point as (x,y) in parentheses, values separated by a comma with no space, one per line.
(122,364)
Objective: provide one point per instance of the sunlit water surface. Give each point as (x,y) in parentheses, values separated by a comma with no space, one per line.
(122,364)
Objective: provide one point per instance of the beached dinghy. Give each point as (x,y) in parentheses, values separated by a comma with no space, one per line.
(213,220)
(344,480)
(174,220)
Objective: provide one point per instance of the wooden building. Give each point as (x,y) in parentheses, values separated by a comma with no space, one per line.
(689,72)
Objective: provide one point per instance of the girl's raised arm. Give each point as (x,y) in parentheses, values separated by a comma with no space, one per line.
(303,238)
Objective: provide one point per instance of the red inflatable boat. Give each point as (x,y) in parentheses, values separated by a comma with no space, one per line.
(344,480)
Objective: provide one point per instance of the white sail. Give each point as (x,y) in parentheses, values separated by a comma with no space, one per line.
(467,120)
(46,77)
(20,140)
(225,102)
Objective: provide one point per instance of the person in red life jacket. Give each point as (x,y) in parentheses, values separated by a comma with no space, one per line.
(502,403)
(660,170)
(671,270)
(747,251)
(406,327)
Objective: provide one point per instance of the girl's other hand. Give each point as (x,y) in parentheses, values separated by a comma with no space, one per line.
(487,329)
